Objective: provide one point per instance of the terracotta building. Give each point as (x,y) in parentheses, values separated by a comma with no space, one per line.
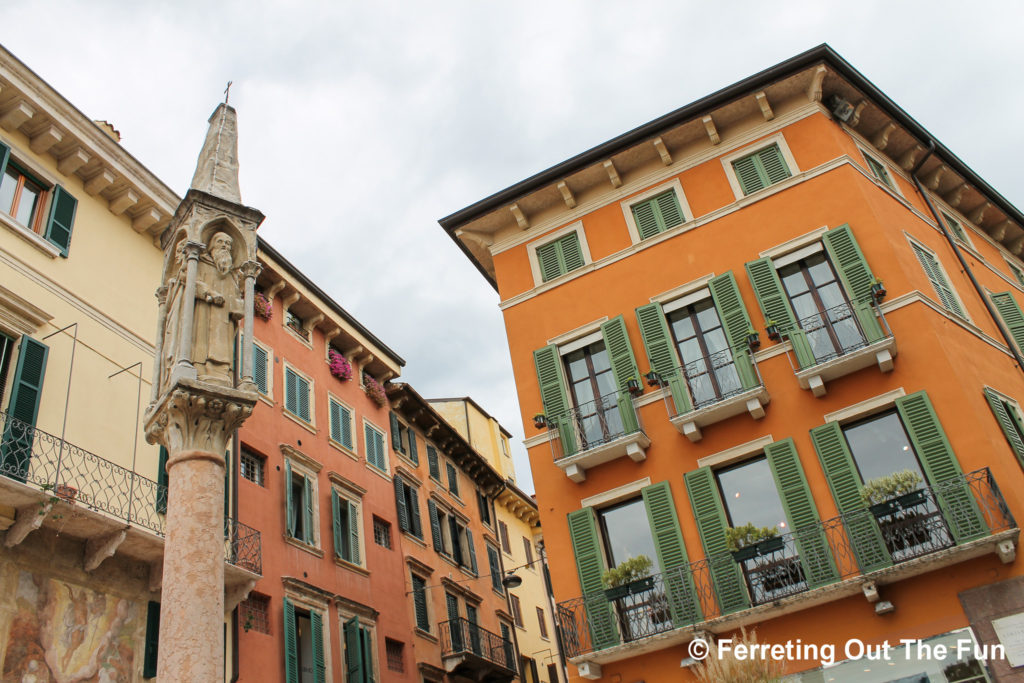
(770,342)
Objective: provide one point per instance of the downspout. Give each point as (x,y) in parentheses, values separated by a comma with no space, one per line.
(554,614)
(236,456)
(963,262)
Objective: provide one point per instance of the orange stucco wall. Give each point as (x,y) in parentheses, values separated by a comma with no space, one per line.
(934,353)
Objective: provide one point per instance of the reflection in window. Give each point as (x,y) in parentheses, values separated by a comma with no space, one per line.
(704,350)
(880,446)
(19,196)
(593,392)
(821,308)
(627,533)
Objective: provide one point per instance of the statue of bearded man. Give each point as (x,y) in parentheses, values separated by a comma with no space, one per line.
(218,308)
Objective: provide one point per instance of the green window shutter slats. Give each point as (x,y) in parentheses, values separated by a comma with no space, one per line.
(413,452)
(472,551)
(712,523)
(435,525)
(366,645)
(302,389)
(307,511)
(432,464)
(353,651)
(941,466)
(291,518)
(396,434)
(668,207)
(403,510)
(1011,314)
(316,632)
(495,567)
(353,532)
(657,214)
(550,264)
(770,295)
(844,482)
(340,546)
(620,352)
(937,277)
(553,395)
(259,369)
(291,402)
(61,219)
(419,601)
(151,649)
(661,353)
(774,165)
(746,172)
(572,252)
(414,513)
(291,644)
(5,156)
(335,419)
(762,168)
(562,256)
(162,482)
(1009,422)
(847,257)
(804,523)
(646,220)
(675,565)
(590,565)
(736,323)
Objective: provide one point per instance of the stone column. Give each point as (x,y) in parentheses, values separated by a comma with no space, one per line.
(184,367)
(250,269)
(161,320)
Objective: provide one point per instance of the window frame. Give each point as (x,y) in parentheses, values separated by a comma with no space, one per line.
(383,433)
(260,465)
(302,469)
(268,370)
(917,244)
(753,148)
(333,399)
(516,606)
(875,166)
(532,247)
(386,526)
(299,601)
(350,496)
(627,205)
(962,236)
(1016,272)
(542,623)
(285,368)
(36,233)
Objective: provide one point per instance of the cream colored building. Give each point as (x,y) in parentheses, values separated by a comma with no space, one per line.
(80,496)
(516,525)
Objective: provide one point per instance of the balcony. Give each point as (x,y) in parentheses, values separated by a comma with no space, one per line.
(714,388)
(838,341)
(597,432)
(51,482)
(476,653)
(853,553)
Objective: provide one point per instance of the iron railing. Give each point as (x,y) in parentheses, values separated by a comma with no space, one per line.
(837,331)
(463,637)
(963,508)
(594,424)
(711,379)
(37,458)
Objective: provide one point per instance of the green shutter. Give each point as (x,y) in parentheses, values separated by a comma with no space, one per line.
(259,369)
(403,511)
(1011,314)
(302,387)
(291,518)
(668,207)
(335,420)
(152,644)
(586,545)
(432,464)
(61,219)
(419,601)
(316,632)
(396,434)
(712,523)
(620,354)
(773,165)
(559,257)
(339,538)
(804,523)
(414,513)
(472,550)
(646,220)
(941,466)
(856,276)
(290,402)
(5,155)
(492,561)
(291,644)
(353,532)
(435,525)
(413,453)
(657,214)
(845,483)
(346,428)
(23,408)
(365,644)
(1008,421)
(550,264)
(162,482)
(353,651)
(307,519)
(736,324)
(771,297)
(747,174)
(661,353)
(683,601)
(553,394)
(572,252)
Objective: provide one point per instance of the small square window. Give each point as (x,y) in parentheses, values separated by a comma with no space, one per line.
(396,654)
(252,466)
(381,533)
(254,613)
(296,324)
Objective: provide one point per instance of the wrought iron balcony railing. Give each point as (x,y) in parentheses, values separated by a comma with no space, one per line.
(837,331)
(859,543)
(37,458)
(463,637)
(707,381)
(594,424)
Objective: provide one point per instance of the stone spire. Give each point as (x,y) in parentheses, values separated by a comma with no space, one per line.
(217,169)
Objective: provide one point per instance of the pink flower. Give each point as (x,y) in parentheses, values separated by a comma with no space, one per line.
(339,365)
(374,389)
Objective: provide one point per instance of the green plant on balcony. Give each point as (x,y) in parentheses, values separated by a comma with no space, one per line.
(629,577)
(748,541)
(772,328)
(892,486)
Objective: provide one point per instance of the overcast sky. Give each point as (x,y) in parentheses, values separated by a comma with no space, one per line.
(361,124)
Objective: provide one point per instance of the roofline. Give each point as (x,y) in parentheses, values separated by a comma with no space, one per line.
(331,303)
(822,53)
(469,399)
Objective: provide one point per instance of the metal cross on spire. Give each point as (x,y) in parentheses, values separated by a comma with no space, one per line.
(227,92)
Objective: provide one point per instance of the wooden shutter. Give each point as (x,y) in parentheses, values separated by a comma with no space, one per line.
(683,600)
(572,252)
(547,259)
(302,387)
(291,644)
(937,277)
(291,402)
(316,632)
(657,214)
(646,220)
(259,368)
(844,481)
(941,467)
(414,513)
(432,464)
(453,532)
(61,219)
(346,427)
(353,651)
(403,510)
(5,156)
(804,523)
(1011,314)
(335,419)
(856,276)
(553,395)
(746,173)
(586,545)
(495,567)
(419,601)
(353,532)
(771,297)
(413,453)
(773,165)
(396,434)
(435,525)
(151,649)
(162,482)
(290,515)
(365,646)
(711,523)
(559,257)
(307,510)
(661,353)
(23,408)
(620,354)
(1009,422)
(671,214)
(472,550)
(340,549)
(735,323)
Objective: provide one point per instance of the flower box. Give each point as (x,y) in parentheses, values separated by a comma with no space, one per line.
(631,588)
(68,493)
(765,547)
(898,504)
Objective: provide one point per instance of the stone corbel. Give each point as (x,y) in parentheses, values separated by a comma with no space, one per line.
(909,158)
(233,597)
(709,128)
(978,215)
(1017,246)
(73,160)
(763,104)
(855,119)
(935,177)
(125,200)
(331,334)
(881,138)
(998,232)
(100,548)
(613,173)
(386,375)
(520,217)
(570,201)
(351,354)
(27,520)
(99,182)
(287,301)
(45,138)
(146,219)
(482,241)
(817,79)
(312,322)
(659,146)
(275,288)
(953,198)
(16,114)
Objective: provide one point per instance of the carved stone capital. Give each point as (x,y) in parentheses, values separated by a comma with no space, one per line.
(196,416)
(251,269)
(193,250)
(161,295)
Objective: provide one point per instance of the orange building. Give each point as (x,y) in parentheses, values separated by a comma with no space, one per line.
(849,481)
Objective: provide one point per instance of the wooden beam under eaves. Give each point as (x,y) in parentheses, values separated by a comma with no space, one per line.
(766,108)
(567,197)
(662,150)
(613,173)
(709,128)
(520,217)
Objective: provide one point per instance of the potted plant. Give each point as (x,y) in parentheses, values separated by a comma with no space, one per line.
(634,387)
(262,306)
(753,339)
(630,577)
(374,390)
(748,541)
(339,366)
(772,328)
(893,493)
(540,421)
(653,379)
(68,493)
(877,289)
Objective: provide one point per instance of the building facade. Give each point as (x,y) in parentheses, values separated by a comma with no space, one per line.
(795,394)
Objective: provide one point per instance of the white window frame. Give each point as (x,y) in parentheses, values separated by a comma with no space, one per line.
(1014,269)
(730,173)
(966,241)
(385,447)
(354,448)
(892,185)
(532,247)
(285,366)
(966,315)
(627,208)
(305,466)
(347,492)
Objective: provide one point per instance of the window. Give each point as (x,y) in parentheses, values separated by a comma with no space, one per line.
(1011,314)
(1018,273)
(341,423)
(627,533)
(252,466)
(494,564)
(703,346)
(553,673)
(375,451)
(358,645)
(451,537)
(432,463)
(6,351)
(304,643)
(151,647)
(937,276)
(381,533)
(403,439)
(764,167)
(657,214)
(300,503)
(23,406)
(261,368)
(484,503)
(419,600)
(503,534)
(254,613)
(879,170)
(517,610)
(955,228)
(528,547)
(453,479)
(297,395)
(559,257)
(880,446)
(542,623)
(296,324)
(22,197)
(347,528)
(407,502)
(594,393)
(396,655)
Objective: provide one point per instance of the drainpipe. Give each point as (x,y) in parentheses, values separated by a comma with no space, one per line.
(554,614)
(963,262)
(236,450)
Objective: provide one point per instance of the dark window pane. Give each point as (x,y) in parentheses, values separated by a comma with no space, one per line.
(627,533)
(750,496)
(880,447)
